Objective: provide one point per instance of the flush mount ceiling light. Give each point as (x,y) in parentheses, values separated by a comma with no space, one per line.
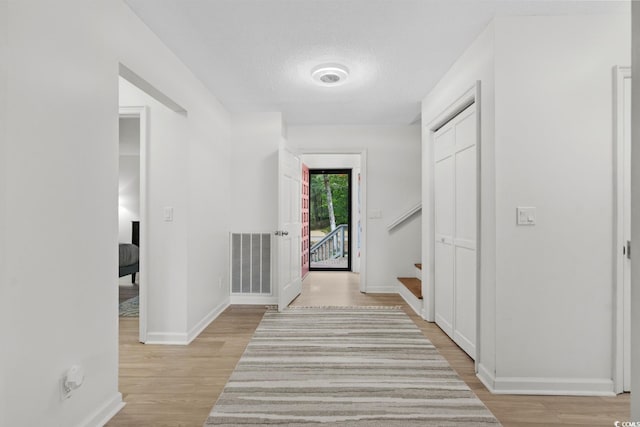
(330,74)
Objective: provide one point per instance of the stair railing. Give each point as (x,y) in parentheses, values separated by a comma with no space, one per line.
(405,216)
(332,246)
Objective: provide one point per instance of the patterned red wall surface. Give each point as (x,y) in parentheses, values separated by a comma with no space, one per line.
(305,220)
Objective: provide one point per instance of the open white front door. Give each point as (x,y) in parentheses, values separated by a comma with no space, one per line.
(289,270)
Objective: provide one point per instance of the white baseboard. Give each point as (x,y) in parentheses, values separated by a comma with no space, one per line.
(185,338)
(254,300)
(546,386)
(103,414)
(206,320)
(427,310)
(410,299)
(425,315)
(167,338)
(381,289)
(487,378)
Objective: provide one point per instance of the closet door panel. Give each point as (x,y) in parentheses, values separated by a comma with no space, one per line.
(465,125)
(465,195)
(465,232)
(444,229)
(465,299)
(444,282)
(444,200)
(455,217)
(444,142)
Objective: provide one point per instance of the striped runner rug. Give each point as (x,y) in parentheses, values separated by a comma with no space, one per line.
(130,307)
(348,366)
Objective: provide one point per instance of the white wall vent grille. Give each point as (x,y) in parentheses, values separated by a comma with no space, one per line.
(251,263)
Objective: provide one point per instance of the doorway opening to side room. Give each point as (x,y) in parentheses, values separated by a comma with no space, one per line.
(131,130)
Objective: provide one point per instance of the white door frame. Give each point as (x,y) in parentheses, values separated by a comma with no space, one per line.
(363,203)
(468,97)
(142,114)
(621,295)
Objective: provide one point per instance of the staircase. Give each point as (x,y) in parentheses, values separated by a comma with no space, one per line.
(410,289)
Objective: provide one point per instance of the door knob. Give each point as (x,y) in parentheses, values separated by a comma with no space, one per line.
(628,249)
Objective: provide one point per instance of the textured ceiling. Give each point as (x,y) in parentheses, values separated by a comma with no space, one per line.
(256,55)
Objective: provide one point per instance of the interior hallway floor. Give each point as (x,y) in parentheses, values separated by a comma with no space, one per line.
(127,289)
(178,385)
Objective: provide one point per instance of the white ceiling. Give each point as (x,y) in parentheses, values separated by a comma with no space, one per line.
(256,55)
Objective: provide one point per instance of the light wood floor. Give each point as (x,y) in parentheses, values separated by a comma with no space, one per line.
(178,385)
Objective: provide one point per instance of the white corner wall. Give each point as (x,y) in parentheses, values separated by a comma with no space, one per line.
(5,322)
(58,282)
(209,212)
(546,291)
(253,189)
(392,187)
(475,64)
(554,149)
(255,140)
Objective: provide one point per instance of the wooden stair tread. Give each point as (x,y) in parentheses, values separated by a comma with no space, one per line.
(413,284)
(418,266)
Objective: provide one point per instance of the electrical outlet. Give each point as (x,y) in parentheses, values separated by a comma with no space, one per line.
(71,381)
(168,213)
(65,393)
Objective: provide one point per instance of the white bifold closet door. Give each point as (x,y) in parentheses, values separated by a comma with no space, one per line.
(455,189)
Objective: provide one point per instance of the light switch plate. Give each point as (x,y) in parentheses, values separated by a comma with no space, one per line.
(525,215)
(375,213)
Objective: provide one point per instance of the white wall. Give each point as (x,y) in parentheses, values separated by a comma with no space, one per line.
(5,321)
(546,142)
(554,151)
(635,213)
(128,177)
(209,213)
(475,64)
(62,136)
(392,187)
(255,140)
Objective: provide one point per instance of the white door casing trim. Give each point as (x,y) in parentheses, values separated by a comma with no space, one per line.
(619,298)
(142,113)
